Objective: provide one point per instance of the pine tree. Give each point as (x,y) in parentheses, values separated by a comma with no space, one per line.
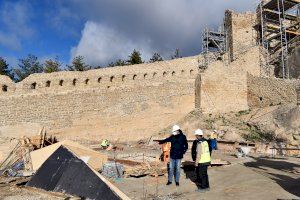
(27,66)
(155,58)
(135,58)
(4,68)
(176,54)
(52,65)
(78,64)
(111,64)
(120,62)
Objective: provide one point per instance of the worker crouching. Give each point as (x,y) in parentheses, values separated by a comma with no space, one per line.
(201,156)
(179,146)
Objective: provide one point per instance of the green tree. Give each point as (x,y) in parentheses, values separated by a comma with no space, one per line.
(111,64)
(120,62)
(135,58)
(4,68)
(98,67)
(78,64)
(52,65)
(176,54)
(27,66)
(155,58)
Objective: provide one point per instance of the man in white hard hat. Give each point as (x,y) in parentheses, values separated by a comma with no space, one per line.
(201,156)
(179,146)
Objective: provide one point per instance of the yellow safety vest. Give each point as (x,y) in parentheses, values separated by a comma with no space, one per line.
(105,143)
(205,156)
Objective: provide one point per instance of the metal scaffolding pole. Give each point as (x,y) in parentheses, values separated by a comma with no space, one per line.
(279,26)
(283,38)
(265,46)
(213,45)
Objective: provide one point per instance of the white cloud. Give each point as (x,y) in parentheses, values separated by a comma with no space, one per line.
(100,45)
(113,28)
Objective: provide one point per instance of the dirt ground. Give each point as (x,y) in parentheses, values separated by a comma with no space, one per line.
(246,178)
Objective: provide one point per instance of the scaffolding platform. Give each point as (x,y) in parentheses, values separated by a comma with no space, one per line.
(279,26)
(213,46)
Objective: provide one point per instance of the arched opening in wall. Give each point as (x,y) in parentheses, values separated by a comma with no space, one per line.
(123,77)
(154,74)
(191,72)
(86,81)
(164,74)
(99,79)
(74,81)
(145,76)
(33,86)
(112,78)
(182,71)
(4,88)
(48,83)
(173,73)
(134,77)
(260,98)
(61,82)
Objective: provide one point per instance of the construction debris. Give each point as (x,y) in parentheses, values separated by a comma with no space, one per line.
(139,165)
(113,170)
(214,162)
(151,169)
(243,151)
(65,172)
(19,158)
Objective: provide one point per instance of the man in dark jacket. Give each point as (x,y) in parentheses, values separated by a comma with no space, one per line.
(179,146)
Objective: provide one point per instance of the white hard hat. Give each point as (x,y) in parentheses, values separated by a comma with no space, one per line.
(198,132)
(175,128)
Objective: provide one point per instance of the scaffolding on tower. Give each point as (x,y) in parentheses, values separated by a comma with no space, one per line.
(279,27)
(213,46)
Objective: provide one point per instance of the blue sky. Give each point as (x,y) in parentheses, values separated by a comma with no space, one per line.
(105,30)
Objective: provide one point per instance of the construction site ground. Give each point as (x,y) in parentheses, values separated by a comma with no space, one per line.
(253,177)
(245,178)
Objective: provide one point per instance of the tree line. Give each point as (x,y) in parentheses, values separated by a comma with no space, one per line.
(31,64)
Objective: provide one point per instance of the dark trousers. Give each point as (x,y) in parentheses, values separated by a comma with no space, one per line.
(202,176)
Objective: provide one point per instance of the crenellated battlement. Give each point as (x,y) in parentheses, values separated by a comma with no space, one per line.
(123,76)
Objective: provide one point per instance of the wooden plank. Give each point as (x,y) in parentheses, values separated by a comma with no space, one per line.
(219,141)
(277,27)
(96,159)
(277,148)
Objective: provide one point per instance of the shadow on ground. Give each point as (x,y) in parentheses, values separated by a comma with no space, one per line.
(190,173)
(277,168)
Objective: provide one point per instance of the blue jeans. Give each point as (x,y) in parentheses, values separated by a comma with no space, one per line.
(174,165)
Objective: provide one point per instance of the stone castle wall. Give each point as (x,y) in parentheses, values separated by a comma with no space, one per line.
(223,88)
(263,92)
(238,86)
(221,95)
(135,100)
